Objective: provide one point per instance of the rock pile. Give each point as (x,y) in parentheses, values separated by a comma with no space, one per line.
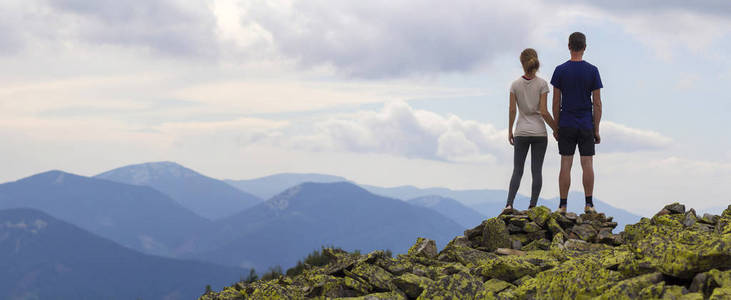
(534,254)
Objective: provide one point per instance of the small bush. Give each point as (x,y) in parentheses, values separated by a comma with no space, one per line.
(274,273)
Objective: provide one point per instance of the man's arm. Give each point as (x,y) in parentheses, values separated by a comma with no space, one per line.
(556,108)
(596,94)
(511,115)
(544,111)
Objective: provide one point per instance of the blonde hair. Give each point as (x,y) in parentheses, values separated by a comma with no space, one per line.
(529,60)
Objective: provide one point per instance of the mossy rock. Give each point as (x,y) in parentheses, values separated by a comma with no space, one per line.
(495,235)
(721,293)
(424,247)
(391,295)
(510,268)
(539,214)
(577,278)
(496,285)
(633,287)
(376,276)
(412,285)
(456,286)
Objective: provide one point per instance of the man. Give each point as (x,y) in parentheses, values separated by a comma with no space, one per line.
(577,108)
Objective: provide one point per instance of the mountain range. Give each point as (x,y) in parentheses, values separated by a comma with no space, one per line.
(164,209)
(138,217)
(269,186)
(45,258)
(486,202)
(203,195)
(310,215)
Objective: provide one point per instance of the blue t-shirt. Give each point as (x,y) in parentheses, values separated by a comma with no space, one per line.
(576,80)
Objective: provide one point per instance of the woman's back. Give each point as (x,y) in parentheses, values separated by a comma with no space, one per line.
(528,94)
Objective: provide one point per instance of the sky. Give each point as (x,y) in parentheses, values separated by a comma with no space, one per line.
(381,92)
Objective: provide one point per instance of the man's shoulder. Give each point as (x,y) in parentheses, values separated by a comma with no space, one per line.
(591,66)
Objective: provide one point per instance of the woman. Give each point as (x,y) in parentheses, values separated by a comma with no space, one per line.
(528,93)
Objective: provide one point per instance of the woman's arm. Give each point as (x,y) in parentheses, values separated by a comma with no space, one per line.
(544,111)
(511,115)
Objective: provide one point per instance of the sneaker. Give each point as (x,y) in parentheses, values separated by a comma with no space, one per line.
(589,209)
(507,210)
(561,209)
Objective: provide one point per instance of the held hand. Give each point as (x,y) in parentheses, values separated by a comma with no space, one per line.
(597,137)
(555,135)
(511,139)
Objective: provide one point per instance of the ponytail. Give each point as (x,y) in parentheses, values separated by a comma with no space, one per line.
(529,60)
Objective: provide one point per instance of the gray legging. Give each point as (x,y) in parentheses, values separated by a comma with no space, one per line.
(537,145)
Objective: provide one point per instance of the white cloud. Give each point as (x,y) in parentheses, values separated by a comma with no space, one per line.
(621,138)
(400,130)
(393,38)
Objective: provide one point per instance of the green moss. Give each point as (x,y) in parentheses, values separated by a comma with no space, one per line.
(509,268)
(577,278)
(456,286)
(495,235)
(539,214)
(721,293)
(634,287)
(412,285)
(375,275)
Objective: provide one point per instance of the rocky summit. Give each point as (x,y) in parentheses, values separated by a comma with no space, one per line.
(533,254)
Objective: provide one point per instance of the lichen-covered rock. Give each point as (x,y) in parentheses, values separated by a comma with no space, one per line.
(585,232)
(412,285)
(424,247)
(495,235)
(673,255)
(675,208)
(539,214)
(633,287)
(456,286)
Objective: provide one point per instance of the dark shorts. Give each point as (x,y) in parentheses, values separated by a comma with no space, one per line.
(569,138)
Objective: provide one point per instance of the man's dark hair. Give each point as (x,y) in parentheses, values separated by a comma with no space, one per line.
(577,41)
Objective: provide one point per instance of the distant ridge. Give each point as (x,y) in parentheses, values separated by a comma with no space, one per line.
(305,217)
(269,186)
(138,217)
(42,257)
(450,208)
(208,197)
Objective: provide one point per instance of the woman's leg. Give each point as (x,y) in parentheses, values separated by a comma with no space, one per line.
(519,154)
(537,153)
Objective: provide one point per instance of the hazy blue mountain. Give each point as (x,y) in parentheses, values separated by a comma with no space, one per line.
(450,208)
(301,219)
(491,202)
(208,197)
(44,258)
(138,217)
(466,197)
(269,186)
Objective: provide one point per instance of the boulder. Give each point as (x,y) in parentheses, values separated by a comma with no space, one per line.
(424,247)
(495,235)
(412,285)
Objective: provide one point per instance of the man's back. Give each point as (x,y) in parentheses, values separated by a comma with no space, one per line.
(576,80)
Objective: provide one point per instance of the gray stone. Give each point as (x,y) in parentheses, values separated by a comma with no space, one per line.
(584,232)
(495,235)
(675,208)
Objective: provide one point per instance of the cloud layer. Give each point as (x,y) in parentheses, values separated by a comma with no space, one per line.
(400,130)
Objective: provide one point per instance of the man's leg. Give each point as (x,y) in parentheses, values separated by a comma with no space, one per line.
(564,176)
(587,167)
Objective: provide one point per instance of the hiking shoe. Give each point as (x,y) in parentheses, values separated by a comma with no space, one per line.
(589,209)
(561,209)
(508,210)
